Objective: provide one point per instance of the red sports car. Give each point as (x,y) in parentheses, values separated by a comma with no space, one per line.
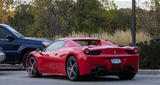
(75,57)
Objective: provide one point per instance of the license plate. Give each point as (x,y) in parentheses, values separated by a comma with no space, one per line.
(116,61)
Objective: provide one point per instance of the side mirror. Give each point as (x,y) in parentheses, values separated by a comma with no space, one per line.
(39,51)
(10,37)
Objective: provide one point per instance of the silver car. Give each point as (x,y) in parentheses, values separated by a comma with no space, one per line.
(2,55)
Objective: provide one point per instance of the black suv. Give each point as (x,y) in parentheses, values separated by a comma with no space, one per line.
(16,46)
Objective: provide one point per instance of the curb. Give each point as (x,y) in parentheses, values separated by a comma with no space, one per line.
(148,72)
(8,67)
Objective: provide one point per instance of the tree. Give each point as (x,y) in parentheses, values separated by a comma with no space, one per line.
(110,15)
(51,18)
(123,19)
(22,18)
(149,20)
(89,16)
(6,10)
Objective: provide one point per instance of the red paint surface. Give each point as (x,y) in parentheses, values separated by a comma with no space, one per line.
(53,62)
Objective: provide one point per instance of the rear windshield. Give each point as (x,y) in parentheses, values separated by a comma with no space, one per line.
(87,42)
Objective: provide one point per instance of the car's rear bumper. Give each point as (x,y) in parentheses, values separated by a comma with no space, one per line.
(102,64)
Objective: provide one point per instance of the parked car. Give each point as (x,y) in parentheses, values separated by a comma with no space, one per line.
(16,46)
(2,55)
(75,57)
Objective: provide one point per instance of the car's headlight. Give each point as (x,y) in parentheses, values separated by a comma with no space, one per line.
(46,44)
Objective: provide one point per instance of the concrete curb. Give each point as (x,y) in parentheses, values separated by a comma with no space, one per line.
(8,67)
(149,72)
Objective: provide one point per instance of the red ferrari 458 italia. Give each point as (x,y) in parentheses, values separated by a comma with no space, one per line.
(75,57)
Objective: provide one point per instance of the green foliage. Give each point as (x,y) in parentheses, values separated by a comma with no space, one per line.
(123,19)
(52,18)
(48,18)
(22,18)
(149,20)
(89,16)
(149,54)
(93,16)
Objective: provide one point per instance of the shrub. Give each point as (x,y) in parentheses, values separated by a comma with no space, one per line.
(149,54)
(121,38)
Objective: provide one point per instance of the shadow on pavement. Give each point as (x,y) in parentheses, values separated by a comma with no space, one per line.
(4,73)
(54,77)
(83,79)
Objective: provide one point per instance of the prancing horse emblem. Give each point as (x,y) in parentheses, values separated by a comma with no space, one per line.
(115,52)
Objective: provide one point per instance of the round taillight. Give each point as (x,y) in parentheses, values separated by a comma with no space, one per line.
(135,50)
(86,51)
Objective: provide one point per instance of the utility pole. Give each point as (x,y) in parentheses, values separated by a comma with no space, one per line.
(133,23)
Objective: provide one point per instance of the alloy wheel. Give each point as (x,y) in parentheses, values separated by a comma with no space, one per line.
(72,68)
(32,67)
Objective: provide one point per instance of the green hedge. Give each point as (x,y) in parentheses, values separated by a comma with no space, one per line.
(150,54)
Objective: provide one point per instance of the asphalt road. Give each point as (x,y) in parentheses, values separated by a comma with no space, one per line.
(21,78)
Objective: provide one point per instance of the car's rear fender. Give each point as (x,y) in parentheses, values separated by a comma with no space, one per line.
(81,59)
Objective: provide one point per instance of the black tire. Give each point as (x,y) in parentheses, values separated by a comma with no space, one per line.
(32,67)
(72,68)
(126,75)
(24,58)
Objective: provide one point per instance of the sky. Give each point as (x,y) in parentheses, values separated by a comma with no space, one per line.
(120,3)
(128,3)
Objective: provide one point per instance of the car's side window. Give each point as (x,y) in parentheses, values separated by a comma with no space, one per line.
(3,33)
(56,45)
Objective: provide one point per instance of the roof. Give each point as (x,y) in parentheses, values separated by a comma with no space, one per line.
(3,25)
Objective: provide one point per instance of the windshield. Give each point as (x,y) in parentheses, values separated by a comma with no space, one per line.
(17,33)
(87,42)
